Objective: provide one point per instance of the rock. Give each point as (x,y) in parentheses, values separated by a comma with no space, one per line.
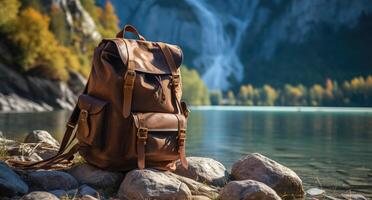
(97,178)
(257,167)
(73,193)
(38,195)
(152,184)
(350,196)
(51,180)
(205,170)
(76,82)
(88,197)
(248,189)
(330,197)
(59,193)
(314,191)
(87,190)
(38,136)
(196,188)
(197,197)
(1,134)
(10,182)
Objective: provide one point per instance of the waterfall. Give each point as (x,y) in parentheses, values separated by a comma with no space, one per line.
(219,50)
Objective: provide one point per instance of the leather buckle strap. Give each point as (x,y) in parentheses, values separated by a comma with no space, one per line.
(175,80)
(129,78)
(141,142)
(181,140)
(181,137)
(83,114)
(142,134)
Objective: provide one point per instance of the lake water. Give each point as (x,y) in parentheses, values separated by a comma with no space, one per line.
(328,148)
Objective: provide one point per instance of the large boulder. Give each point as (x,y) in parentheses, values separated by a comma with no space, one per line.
(152,184)
(39,195)
(248,190)
(51,180)
(205,170)
(10,182)
(257,167)
(41,136)
(95,177)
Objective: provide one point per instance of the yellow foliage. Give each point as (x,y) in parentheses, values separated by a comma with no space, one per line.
(8,10)
(109,20)
(194,90)
(40,49)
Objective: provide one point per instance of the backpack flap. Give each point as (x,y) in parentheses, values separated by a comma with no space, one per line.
(160,137)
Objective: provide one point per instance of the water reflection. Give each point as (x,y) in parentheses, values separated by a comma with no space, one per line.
(332,150)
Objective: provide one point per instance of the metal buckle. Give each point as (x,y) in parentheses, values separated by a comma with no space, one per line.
(175,80)
(182,134)
(83,114)
(129,78)
(142,133)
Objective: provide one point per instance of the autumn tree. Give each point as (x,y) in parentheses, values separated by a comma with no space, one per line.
(294,95)
(248,95)
(268,95)
(108,20)
(8,11)
(39,48)
(230,98)
(194,90)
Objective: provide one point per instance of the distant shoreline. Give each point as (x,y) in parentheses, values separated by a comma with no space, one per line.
(286,109)
(247,108)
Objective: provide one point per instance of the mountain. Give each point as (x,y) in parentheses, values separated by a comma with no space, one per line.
(234,42)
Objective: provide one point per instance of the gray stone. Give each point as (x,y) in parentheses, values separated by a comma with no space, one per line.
(38,195)
(10,182)
(87,190)
(248,190)
(197,197)
(38,136)
(350,196)
(196,188)
(59,193)
(257,167)
(314,191)
(51,180)
(88,197)
(205,170)
(152,184)
(97,178)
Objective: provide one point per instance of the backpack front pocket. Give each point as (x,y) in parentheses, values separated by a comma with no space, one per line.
(160,137)
(91,120)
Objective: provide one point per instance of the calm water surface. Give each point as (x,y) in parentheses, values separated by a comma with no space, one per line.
(330,150)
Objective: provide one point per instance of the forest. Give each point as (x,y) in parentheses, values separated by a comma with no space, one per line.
(43,46)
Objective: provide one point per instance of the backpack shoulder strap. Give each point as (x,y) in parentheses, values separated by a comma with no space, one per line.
(176,79)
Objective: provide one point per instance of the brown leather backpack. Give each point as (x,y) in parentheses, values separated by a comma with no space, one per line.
(130,114)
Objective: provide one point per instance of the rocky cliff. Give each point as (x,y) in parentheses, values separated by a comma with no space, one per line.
(26,91)
(231,42)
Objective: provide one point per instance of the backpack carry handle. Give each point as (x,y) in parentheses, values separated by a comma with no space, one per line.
(129,28)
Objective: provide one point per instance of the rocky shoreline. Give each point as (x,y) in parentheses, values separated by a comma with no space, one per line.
(254,176)
(26,93)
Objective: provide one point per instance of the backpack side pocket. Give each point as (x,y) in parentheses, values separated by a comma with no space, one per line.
(91,121)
